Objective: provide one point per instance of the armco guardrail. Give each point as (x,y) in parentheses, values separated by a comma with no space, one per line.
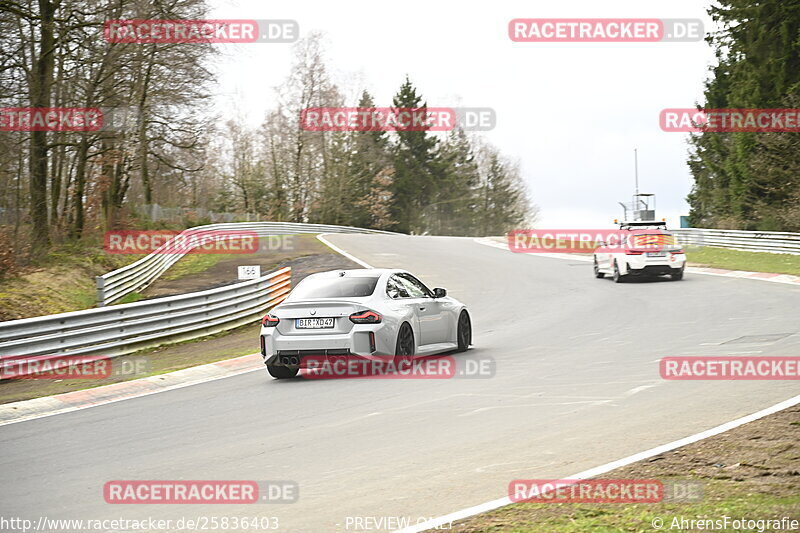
(126,328)
(754,241)
(139,274)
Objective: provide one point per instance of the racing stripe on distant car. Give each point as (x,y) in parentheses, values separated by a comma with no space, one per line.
(653,240)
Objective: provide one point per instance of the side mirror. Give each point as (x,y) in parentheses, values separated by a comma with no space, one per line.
(439,292)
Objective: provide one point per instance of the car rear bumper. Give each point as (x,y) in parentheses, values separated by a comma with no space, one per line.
(651,266)
(653,270)
(364,341)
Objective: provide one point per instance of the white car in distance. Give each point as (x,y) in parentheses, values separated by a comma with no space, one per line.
(644,248)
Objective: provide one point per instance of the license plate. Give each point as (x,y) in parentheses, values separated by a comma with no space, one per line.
(656,254)
(313,323)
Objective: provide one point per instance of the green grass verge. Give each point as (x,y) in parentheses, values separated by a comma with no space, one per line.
(721,499)
(61,281)
(193,264)
(740,260)
(130,298)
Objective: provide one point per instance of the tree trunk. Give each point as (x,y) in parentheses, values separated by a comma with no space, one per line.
(40,87)
(80,184)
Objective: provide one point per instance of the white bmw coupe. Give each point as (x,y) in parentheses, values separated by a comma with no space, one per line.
(364,313)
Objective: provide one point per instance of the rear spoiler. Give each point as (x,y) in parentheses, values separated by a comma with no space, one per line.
(642,224)
(321,302)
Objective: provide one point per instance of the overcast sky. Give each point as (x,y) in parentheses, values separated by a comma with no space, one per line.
(570,113)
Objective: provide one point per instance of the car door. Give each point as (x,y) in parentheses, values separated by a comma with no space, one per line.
(618,254)
(605,254)
(396,290)
(601,255)
(431,314)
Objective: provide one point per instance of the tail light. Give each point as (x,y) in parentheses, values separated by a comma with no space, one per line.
(676,252)
(365,317)
(633,252)
(270,321)
(371,341)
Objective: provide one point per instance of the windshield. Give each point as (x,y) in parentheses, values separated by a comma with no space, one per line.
(340,287)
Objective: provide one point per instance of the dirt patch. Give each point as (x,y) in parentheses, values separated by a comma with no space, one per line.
(226,345)
(752,472)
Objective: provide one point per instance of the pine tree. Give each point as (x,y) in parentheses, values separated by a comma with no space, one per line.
(454,211)
(758,54)
(415,162)
(502,202)
(371,179)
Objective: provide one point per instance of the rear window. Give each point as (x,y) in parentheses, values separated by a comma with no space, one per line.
(340,287)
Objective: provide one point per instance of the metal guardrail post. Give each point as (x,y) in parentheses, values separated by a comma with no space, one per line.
(100,283)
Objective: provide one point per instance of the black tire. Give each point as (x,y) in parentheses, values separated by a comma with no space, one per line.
(597,273)
(677,276)
(617,276)
(464,332)
(404,348)
(282,372)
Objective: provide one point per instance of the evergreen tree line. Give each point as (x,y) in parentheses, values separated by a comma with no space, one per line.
(750,180)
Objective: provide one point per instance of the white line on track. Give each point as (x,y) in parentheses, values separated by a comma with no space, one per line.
(602,469)
(640,388)
(335,248)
